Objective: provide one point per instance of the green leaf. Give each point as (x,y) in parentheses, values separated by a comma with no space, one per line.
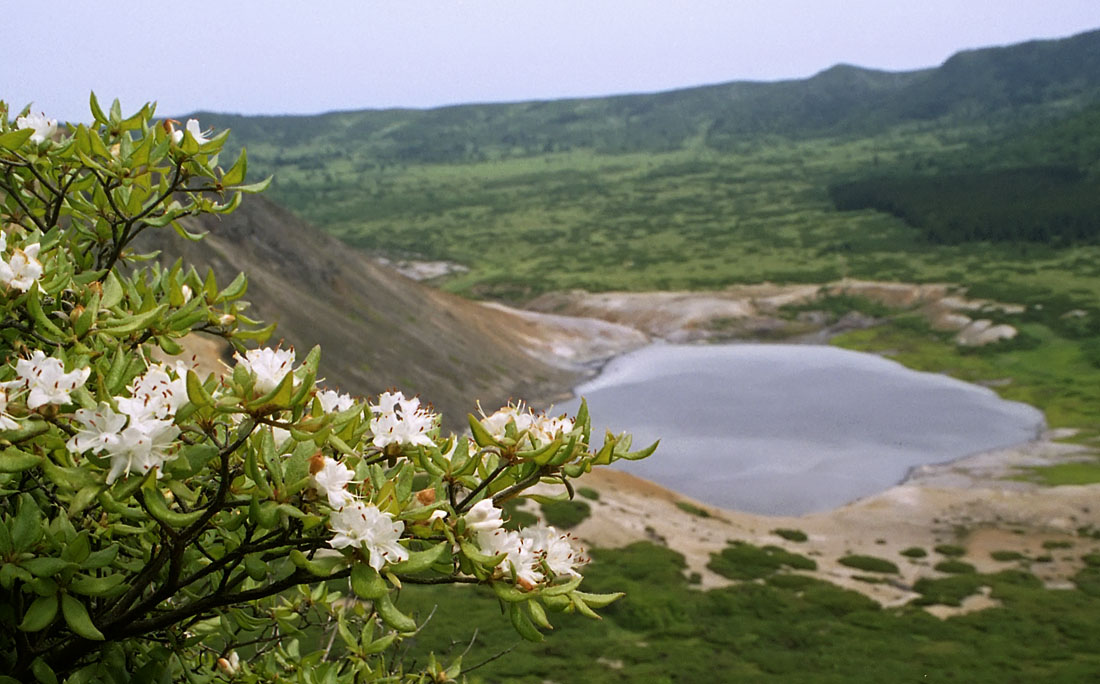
(598,600)
(46,566)
(30,430)
(474,554)
(112,291)
(96,586)
(158,508)
(13,140)
(522,623)
(42,672)
(77,618)
(78,549)
(419,561)
(235,175)
(392,616)
(255,187)
(506,592)
(196,393)
(641,453)
(367,583)
(323,566)
(26,528)
(15,461)
(235,289)
(41,613)
(97,112)
(101,558)
(128,324)
(559,589)
(481,435)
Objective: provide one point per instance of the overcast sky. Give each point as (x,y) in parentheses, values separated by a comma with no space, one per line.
(279,56)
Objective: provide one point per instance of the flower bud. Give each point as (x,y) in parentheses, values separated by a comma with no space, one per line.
(316,463)
(230,665)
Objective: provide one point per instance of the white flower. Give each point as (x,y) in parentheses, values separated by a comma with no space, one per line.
(268,366)
(196,132)
(334,402)
(520,555)
(101,429)
(364,526)
(397,420)
(142,446)
(135,444)
(155,394)
(332,480)
(46,379)
(6,422)
(483,517)
(22,269)
(43,128)
(555,549)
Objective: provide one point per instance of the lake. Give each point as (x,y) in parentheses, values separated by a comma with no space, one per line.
(791,429)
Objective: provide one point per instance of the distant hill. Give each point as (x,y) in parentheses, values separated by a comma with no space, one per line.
(1014,81)
(378,329)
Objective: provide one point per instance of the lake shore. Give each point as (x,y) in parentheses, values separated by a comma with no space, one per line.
(969,503)
(980,502)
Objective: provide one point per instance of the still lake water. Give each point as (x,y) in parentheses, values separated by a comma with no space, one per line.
(791,429)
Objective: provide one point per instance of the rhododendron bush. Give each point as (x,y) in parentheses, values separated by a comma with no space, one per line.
(159,524)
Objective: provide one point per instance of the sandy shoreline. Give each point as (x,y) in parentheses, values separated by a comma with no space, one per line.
(973,502)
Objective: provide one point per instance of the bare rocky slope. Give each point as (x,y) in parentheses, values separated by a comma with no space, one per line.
(378,329)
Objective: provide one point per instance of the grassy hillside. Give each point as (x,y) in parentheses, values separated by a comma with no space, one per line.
(697,188)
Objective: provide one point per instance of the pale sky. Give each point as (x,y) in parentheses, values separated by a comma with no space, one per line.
(279,56)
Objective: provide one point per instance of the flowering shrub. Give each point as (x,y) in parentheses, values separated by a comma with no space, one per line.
(157,525)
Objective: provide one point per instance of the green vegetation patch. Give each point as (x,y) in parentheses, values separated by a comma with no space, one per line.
(913,552)
(950,550)
(791,535)
(1005,555)
(743,561)
(955,567)
(589,493)
(1057,544)
(1075,473)
(565,514)
(948,591)
(692,509)
(790,628)
(869,563)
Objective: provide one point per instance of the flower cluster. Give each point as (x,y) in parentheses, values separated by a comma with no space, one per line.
(46,380)
(400,421)
(22,269)
(364,526)
(141,435)
(536,428)
(534,554)
(267,366)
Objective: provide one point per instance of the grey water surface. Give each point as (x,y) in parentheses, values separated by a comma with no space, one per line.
(791,429)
